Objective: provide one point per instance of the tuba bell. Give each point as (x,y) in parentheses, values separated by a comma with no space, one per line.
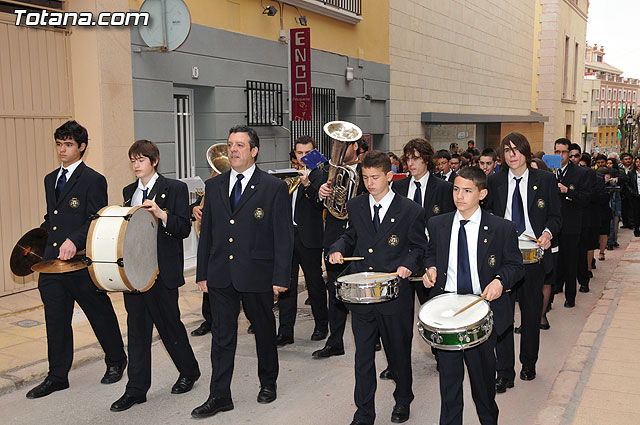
(218,159)
(344,180)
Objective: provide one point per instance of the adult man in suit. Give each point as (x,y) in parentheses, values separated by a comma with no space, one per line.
(434,195)
(574,196)
(244,255)
(529,198)
(333,229)
(472,252)
(74,194)
(307,252)
(168,201)
(444,167)
(388,231)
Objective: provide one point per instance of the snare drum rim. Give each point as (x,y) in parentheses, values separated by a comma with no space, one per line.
(391,283)
(454,330)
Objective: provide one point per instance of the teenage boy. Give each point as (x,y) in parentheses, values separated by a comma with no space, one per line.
(487,161)
(168,201)
(472,252)
(443,165)
(74,193)
(388,231)
(529,198)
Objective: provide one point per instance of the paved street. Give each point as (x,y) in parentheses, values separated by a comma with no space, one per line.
(321,391)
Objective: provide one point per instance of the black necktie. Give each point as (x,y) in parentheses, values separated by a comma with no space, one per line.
(376,216)
(62,180)
(517,209)
(236,193)
(464,269)
(417,197)
(144,194)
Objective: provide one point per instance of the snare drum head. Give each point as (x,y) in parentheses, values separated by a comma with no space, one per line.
(139,250)
(526,244)
(364,278)
(438,312)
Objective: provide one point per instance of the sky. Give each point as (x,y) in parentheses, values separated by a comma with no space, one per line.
(614,25)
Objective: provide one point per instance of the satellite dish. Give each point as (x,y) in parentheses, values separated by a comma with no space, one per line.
(169,24)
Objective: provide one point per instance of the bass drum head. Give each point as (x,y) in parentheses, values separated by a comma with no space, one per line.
(140,250)
(438,312)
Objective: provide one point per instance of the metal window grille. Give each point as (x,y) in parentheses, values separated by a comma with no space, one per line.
(324,110)
(354,6)
(185,146)
(264,103)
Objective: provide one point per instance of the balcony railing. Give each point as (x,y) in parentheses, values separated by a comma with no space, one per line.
(354,6)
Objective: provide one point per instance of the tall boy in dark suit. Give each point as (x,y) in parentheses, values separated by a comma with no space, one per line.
(168,201)
(74,193)
(472,252)
(388,231)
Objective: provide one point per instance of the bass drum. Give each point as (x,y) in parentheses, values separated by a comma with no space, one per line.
(122,249)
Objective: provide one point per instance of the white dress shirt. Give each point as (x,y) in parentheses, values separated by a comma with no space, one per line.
(70,169)
(136,199)
(446,176)
(423,187)
(523,186)
(294,197)
(385,202)
(244,182)
(472,229)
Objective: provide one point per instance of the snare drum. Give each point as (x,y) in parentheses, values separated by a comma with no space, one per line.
(530,252)
(440,329)
(359,288)
(122,248)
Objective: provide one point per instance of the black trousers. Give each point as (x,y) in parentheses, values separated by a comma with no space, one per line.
(627,210)
(568,265)
(530,298)
(58,293)
(587,238)
(337,310)
(481,365)
(206,310)
(635,202)
(396,331)
(310,259)
(225,308)
(158,306)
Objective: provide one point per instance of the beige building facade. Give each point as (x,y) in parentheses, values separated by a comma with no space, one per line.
(461,71)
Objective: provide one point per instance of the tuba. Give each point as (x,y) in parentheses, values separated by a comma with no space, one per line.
(218,159)
(344,180)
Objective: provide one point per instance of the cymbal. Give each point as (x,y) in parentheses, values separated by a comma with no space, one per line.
(59,266)
(28,251)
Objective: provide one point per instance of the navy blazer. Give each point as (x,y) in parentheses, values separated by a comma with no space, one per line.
(84,194)
(173,197)
(309,211)
(400,241)
(438,196)
(577,197)
(498,254)
(543,203)
(251,247)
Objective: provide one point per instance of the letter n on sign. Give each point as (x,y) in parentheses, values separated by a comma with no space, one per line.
(300,74)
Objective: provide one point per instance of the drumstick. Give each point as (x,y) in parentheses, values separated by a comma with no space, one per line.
(531,238)
(470,305)
(353,258)
(377,276)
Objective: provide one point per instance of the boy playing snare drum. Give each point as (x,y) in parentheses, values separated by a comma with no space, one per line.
(388,231)
(472,252)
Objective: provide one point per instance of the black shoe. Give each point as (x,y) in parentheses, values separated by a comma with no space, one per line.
(126,402)
(545,326)
(517,330)
(569,304)
(250,331)
(267,394)
(203,329)
(47,387)
(636,233)
(212,406)
(282,340)
(584,288)
(114,373)
(307,301)
(609,247)
(616,245)
(400,413)
(184,384)
(386,374)
(319,334)
(590,274)
(528,373)
(327,351)
(360,423)
(378,346)
(502,384)
(593,264)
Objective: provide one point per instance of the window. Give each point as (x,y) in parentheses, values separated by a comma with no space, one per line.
(614,94)
(634,96)
(584,119)
(609,94)
(565,71)
(585,97)
(324,110)
(602,94)
(624,95)
(184,132)
(596,93)
(620,94)
(576,59)
(264,103)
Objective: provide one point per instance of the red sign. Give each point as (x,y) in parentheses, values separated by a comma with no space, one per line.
(300,74)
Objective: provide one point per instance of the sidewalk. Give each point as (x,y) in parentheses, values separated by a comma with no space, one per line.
(598,383)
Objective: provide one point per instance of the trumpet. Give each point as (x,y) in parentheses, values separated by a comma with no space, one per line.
(294,182)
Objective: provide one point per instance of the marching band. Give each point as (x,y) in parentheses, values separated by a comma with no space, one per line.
(464,243)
